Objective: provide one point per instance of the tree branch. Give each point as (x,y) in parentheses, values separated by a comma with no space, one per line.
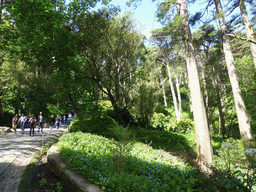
(242,38)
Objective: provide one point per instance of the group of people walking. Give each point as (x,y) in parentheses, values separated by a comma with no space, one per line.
(40,121)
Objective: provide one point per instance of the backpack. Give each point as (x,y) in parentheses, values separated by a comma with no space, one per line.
(32,121)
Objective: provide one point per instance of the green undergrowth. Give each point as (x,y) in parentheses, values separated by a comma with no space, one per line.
(146,168)
(180,144)
(139,159)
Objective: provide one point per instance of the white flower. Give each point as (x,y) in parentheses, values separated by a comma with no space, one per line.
(250,152)
(229,146)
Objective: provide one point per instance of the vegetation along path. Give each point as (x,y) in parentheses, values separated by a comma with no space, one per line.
(16,152)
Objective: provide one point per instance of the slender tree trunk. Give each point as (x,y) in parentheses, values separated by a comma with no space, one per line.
(206,99)
(243,118)
(204,146)
(248,29)
(178,94)
(173,93)
(116,108)
(221,115)
(163,89)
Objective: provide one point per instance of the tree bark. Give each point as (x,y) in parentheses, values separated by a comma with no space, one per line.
(248,29)
(221,115)
(204,146)
(206,98)
(243,117)
(173,92)
(178,94)
(163,89)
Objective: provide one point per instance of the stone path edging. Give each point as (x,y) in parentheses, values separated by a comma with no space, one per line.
(70,180)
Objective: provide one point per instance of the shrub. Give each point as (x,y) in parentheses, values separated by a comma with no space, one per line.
(6,119)
(99,126)
(234,167)
(159,120)
(184,126)
(125,114)
(161,109)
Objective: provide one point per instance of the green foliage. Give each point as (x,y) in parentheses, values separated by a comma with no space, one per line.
(167,122)
(159,121)
(161,109)
(184,126)
(99,125)
(123,145)
(146,169)
(54,110)
(6,119)
(43,181)
(235,166)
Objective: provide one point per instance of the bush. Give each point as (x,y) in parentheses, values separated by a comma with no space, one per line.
(125,114)
(234,168)
(98,126)
(161,109)
(6,119)
(159,120)
(184,126)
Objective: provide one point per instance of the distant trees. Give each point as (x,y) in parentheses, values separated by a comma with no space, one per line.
(180,22)
(166,56)
(109,48)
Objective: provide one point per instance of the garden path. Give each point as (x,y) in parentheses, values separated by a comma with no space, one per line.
(16,151)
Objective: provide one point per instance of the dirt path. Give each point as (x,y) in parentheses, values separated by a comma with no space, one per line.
(16,153)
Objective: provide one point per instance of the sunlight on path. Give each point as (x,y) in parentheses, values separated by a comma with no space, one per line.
(12,145)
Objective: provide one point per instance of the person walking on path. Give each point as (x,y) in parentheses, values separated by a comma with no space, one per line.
(66,117)
(22,122)
(51,121)
(32,122)
(57,121)
(15,121)
(40,120)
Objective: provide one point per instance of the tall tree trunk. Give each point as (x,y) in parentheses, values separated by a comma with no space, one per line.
(173,92)
(178,93)
(221,115)
(206,98)
(248,29)
(243,118)
(115,106)
(163,89)
(204,146)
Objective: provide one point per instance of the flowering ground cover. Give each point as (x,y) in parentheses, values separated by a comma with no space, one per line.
(146,169)
(136,159)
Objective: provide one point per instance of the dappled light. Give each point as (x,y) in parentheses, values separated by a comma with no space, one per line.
(171,108)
